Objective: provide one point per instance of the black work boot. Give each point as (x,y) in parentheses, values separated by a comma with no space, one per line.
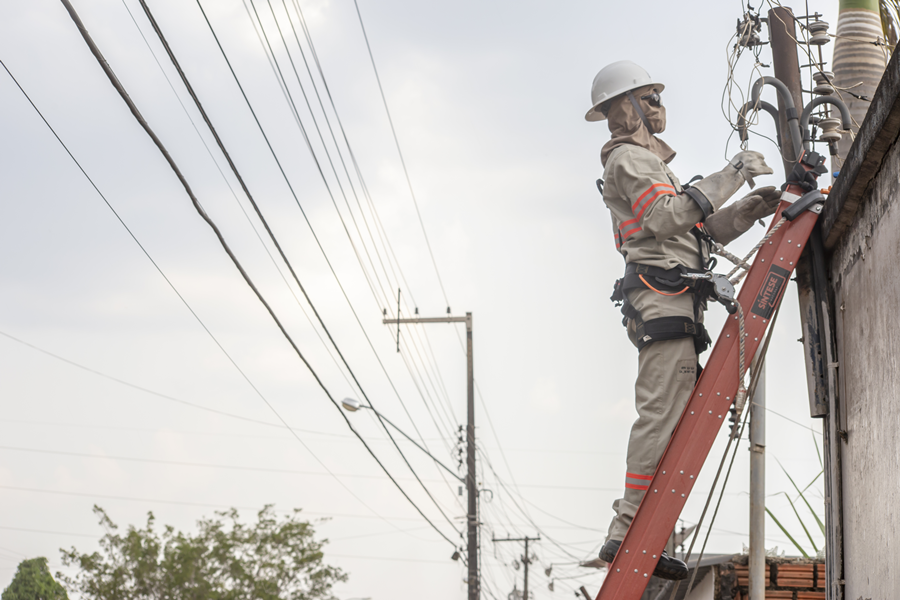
(667,567)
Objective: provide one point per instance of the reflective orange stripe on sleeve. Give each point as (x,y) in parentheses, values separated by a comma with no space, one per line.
(630,227)
(653,192)
(633,481)
(656,190)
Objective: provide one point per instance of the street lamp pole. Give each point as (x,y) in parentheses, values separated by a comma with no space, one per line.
(352,405)
(472,489)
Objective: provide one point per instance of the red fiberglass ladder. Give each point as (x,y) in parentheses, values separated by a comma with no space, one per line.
(714,393)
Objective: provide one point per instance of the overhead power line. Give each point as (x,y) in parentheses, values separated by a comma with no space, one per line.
(196,203)
(139,387)
(155,501)
(182,463)
(233,193)
(183,300)
(399,151)
(281,252)
(294,194)
(273,60)
(269,51)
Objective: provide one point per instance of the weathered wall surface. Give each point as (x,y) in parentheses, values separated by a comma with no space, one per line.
(865,272)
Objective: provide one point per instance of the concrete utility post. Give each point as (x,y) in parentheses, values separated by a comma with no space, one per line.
(757,565)
(471,487)
(526,559)
(786,65)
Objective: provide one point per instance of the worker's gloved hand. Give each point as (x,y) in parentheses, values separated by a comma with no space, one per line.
(729,223)
(719,187)
(751,164)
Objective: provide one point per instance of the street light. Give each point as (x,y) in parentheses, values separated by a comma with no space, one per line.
(353,405)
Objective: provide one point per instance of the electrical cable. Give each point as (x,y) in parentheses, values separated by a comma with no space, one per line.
(293,432)
(172,286)
(344,165)
(183,300)
(715,511)
(65,533)
(138,387)
(180,463)
(292,191)
(279,75)
(399,151)
(197,504)
(804,46)
(379,227)
(528,517)
(798,423)
(134,110)
(334,140)
(233,193)
(268,229)
(284,257)
(296,114)
(264,39)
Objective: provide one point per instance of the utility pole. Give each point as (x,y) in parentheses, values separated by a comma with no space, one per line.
(782,36)
(757,575)
(526,559)
(786,65)
(815,316)
(474,583)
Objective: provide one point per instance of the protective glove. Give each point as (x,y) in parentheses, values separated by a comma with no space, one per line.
(719,187)
(751,164)
(729,223)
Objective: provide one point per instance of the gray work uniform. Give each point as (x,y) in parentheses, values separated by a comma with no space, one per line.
(652,220)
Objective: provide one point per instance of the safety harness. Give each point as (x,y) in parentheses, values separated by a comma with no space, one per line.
(668,282)
(703,284)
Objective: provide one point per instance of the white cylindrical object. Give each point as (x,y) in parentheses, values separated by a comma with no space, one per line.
(757,562)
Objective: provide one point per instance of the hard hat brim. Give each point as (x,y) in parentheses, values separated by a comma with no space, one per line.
(595,114)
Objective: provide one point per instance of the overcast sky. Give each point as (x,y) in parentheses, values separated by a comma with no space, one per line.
(488,102)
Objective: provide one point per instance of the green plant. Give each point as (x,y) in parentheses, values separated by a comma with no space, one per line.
(801,495)
(271,559)
(33,581)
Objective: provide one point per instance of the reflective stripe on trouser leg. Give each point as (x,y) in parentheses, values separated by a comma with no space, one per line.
(666,376)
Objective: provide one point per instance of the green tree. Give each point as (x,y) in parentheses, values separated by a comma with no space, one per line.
(33,581)
(272,559)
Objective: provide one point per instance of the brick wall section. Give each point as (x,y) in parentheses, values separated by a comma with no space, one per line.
(787,579)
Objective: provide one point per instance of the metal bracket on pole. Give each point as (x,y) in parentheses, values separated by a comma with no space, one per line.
(526,560)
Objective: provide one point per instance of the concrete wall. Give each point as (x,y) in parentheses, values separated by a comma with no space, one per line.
(864,242)
(865,271)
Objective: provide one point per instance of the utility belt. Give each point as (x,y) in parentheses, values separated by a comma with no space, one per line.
(668,282)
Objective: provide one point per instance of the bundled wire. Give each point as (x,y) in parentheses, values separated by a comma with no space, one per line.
(196,203)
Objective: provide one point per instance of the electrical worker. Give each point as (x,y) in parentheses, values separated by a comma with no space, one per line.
(662,229)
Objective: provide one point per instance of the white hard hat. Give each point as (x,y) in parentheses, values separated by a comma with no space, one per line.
(614,79)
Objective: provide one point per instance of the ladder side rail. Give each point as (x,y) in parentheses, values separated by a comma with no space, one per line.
(695,434)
